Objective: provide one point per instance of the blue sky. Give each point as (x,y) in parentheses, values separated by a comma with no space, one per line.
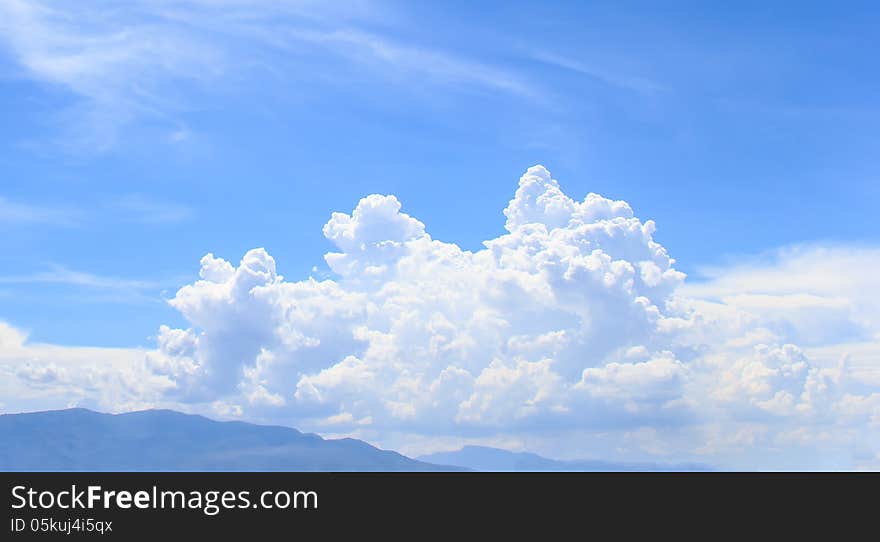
(738,130)
(137,139)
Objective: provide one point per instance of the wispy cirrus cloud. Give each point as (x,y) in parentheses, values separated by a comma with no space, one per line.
(117,65)
(21,213)
(148,210)
(439,66)
(63,275)
(79,286)
(143,62)
(134,207)
(609,77)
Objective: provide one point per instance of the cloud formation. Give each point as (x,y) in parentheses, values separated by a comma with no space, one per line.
(574,322)
(418,333)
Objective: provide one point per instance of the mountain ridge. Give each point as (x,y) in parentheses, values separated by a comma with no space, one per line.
(485,458)
(79,439)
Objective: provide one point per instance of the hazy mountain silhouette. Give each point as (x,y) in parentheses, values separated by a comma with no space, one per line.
(482,458)
(164,440)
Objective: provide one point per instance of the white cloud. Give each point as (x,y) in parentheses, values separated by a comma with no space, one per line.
(10,338)
(813,294)
(573,327)
(36,376)
(650,386)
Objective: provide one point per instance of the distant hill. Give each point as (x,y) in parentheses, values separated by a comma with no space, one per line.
(164,440)
(482,458)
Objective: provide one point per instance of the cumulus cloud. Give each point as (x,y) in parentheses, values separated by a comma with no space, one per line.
(419,332)
(574,322)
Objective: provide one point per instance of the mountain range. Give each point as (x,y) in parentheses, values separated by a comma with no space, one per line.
(482,458)
(164,440)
